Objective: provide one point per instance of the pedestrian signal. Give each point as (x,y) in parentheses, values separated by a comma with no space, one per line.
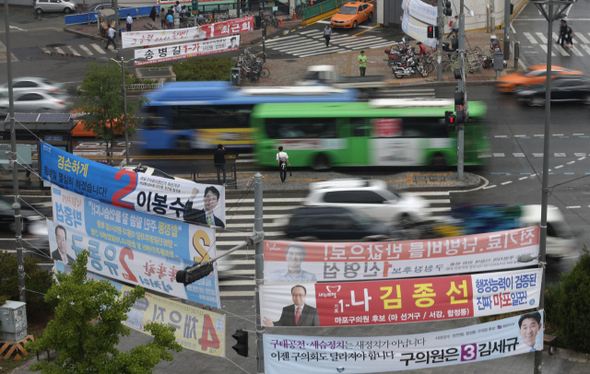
(242,342)
(450,120)
(447,11)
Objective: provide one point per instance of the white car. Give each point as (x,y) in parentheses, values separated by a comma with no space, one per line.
(35,102)
(32,84)
(373,198)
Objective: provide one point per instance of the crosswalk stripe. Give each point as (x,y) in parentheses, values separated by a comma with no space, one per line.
(561,50)
(586,48)
(98,48)
(581,38)
(531,39)
(46,51)
(541,36)
(544,48)
(331,50)
(85,49)
(300,46)
(308,32)
(272,41)
(74,52)
(59,50)
(576,51)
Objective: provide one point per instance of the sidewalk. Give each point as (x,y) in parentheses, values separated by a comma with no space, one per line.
(287,71)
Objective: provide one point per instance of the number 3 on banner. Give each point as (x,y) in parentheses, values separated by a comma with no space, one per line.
(117,196)
(208,328)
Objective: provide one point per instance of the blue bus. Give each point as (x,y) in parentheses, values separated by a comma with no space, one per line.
(200,115)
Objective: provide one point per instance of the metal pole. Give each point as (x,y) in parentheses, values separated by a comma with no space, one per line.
(16,205)
(440,24)
(545,182)
(259,231)
(462,88)
(125,112)
(506,29)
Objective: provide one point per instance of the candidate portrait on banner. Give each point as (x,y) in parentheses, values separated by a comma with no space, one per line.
(297,314)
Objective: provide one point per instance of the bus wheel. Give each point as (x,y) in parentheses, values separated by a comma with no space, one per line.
(183,144)
(321,162)
(438,159)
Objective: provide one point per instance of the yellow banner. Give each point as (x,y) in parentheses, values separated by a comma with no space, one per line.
(196,329)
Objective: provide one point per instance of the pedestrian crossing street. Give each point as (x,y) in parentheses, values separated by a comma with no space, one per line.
(312,43)
(91,50)
(581,43)
(237,270)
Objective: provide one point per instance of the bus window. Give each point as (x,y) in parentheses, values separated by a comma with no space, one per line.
(288,128)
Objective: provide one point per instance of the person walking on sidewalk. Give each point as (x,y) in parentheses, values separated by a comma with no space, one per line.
(362,63)
(219,162)
(111,38)
(129,21)
(454,27)
(569,37)
(153,15)
(327,34)
(283,161)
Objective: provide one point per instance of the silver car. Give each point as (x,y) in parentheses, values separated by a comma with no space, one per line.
(48,6)
(32,84)
(35,102)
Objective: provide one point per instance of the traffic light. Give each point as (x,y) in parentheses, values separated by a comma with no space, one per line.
(450,120)
(193,273)
(241,346)
(454,43)
(447,11)
(432,31)
(461,117)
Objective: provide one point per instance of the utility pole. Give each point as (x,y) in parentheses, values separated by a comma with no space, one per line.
(440,23)
(259,232)
(461,96)
(14,157)
(506,29)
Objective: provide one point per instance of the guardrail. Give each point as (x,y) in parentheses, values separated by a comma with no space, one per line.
(321,8)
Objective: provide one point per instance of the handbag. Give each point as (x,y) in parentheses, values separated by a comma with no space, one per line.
(572,35)
(167,23)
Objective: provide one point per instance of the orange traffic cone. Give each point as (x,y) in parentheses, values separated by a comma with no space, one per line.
(281,21)
(294,15)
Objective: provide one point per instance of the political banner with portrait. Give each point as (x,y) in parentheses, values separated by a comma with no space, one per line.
(118,262)
(286,261)
(197,329)
(374,354)
(399,300)
(180,51)
(178,199)
(152,38)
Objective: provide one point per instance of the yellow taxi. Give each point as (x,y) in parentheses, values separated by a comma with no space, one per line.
(351,14)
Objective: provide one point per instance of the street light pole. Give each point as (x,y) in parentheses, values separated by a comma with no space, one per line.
(550,16)
(125,112)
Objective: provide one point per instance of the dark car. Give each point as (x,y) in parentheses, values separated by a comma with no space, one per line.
(335,224)
(34,225)
(564,88)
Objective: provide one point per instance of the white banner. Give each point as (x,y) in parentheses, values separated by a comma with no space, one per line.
(416,29)
(423,12)
(181,51)
(140,39)
(374,354)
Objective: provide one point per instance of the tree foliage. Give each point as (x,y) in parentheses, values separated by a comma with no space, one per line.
(88,324)
(37,282)
(567,305)
(204,69)
(101,103)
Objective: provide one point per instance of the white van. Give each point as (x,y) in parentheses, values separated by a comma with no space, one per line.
(560,239)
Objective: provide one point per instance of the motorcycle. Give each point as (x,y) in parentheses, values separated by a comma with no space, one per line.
(408,68)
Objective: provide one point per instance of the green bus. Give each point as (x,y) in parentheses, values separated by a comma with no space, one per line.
(384,132)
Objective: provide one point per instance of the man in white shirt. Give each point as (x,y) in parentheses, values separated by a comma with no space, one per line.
(177,8)
(111,38)
(129,21)
(283,161)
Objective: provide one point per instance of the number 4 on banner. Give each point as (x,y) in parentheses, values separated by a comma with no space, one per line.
(209,330)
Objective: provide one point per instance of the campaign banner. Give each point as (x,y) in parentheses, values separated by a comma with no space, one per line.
(121,263)
(152,38)
(399,301)
(416,29)
(374,354)
(286,261)
(422,11)
(197,329)
(182,199)
(188,50)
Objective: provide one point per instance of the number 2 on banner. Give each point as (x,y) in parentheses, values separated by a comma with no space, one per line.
(117,196)
(208,328)
(127,253)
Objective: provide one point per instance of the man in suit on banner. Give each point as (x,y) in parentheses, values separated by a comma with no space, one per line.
(203,216)
(298,313)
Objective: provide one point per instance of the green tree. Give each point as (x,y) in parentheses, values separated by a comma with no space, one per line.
(567,305)
(101,103)
(37,282)
(88,324)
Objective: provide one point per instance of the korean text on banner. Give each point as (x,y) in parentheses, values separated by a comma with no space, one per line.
(169,198)
(152,38)
(402,300)
(197,329)
(181,51)
(375,354)
(327,262)
(115,261)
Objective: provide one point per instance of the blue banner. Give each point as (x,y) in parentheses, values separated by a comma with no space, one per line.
(178,199)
